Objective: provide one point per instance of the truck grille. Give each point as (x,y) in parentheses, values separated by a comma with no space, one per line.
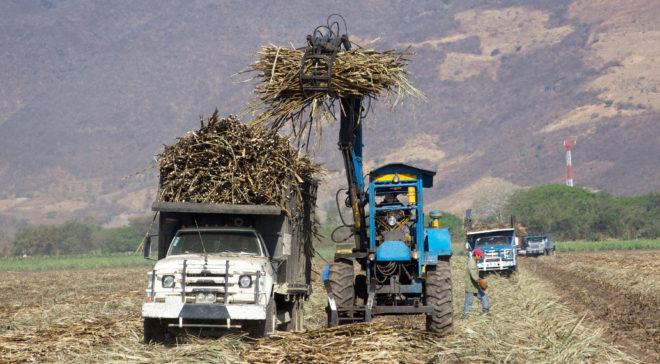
(213,280)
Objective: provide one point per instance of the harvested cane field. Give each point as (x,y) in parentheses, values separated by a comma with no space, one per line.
(617,290)
(94,316)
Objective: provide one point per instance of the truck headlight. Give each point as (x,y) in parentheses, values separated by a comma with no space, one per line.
(244,281)
(202,297)
(168,281)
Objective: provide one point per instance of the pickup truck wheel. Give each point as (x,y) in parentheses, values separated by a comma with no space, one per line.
(341,284)
(439,296)
(154,331)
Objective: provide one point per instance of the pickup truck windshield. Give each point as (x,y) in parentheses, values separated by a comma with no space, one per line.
(215,242)
(493,240)
(535,240)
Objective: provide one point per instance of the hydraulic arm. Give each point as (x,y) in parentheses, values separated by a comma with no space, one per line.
(403,264)
(316,76)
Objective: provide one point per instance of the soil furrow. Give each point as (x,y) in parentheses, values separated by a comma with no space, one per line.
(631,320)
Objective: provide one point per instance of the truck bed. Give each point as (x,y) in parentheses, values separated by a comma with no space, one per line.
(211,208)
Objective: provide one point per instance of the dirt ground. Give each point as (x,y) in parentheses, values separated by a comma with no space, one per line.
(94,316)
(618,290)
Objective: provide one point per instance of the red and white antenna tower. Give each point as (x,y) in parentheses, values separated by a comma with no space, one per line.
(569,143)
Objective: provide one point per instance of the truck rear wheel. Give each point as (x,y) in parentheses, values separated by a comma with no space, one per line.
(341,283)
(439,296)
(154,331)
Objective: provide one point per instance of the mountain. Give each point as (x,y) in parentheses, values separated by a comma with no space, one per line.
(90,91)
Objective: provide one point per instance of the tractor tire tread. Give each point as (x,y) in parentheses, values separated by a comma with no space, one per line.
(439,296)
(341,282)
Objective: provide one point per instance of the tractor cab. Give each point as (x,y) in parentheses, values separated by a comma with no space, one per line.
(397,231)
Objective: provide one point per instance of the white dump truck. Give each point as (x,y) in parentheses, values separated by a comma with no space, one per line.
(228,266)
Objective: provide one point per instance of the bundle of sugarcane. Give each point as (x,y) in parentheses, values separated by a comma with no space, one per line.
(489,225)
(280,99)
(226,161)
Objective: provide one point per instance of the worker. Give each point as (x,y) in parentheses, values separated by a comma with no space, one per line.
(390,199)
(472,284)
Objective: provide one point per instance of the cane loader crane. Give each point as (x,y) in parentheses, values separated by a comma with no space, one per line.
(402,264)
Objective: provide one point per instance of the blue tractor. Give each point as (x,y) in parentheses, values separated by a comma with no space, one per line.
(397,263)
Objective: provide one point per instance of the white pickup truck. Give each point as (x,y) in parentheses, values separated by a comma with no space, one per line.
(226,267)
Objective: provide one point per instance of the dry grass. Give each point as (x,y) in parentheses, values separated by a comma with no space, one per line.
(358,343)
(528,324)
(94,316)
(631,271)
(627,312)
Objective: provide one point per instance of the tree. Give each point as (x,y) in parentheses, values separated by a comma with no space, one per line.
(572,213)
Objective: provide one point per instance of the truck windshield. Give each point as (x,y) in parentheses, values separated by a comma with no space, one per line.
(493,240)
(215,242)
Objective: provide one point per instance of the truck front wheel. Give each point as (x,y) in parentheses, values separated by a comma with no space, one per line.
(439,297)
(261,328)
(154,331)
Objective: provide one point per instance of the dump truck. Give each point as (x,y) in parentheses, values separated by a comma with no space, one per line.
(535,245)
(497,242)
(227,266)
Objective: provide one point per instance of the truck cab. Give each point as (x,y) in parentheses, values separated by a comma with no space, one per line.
(499,247)
(535,245)
(223,267)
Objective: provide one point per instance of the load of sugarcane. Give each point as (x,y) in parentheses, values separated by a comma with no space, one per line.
(280,100)
(229,162)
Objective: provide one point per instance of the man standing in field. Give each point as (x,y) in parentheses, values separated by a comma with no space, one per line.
(474,286)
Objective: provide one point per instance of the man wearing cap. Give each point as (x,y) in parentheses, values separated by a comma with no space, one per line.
(472,287)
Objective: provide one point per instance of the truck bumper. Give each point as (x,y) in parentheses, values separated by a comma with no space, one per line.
(175,310)
(499,265)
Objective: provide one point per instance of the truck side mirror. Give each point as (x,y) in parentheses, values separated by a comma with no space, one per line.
(467,246)
(149,241)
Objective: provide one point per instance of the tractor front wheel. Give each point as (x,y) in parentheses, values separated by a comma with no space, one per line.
(439,296)
(341,283)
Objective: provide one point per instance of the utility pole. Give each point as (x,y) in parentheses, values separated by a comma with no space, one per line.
(569,143)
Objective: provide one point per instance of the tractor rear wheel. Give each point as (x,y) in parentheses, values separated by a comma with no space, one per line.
(341,283)
(439,296)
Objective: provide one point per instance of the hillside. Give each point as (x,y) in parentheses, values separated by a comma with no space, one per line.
(90,91)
